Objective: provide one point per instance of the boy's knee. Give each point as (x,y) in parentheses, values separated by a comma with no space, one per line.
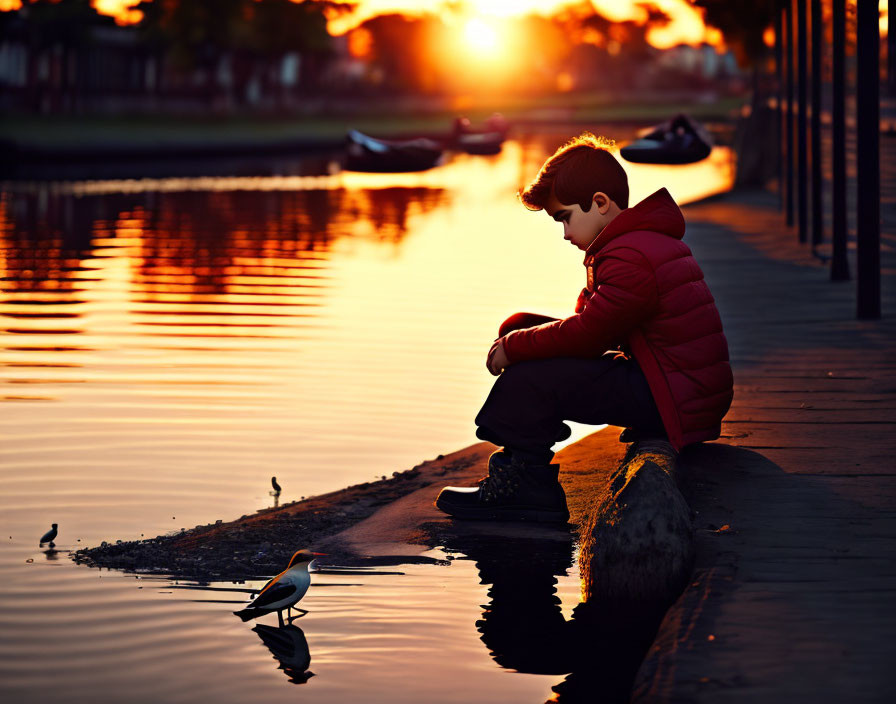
(532,374)
(514,322)
(521,321)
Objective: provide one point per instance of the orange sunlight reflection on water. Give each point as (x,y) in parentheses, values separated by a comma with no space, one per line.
(172,344)
(270,326)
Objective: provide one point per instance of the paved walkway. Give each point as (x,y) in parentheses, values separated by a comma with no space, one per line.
(794,596)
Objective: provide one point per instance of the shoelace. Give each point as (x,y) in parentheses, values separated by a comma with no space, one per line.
(498,483)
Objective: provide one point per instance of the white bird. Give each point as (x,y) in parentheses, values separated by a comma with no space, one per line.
(284,590)
(49,537)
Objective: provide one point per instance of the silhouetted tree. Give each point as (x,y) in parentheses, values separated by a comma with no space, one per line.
(63,23)
(622,51)
(280,26)
(193,30)
(401,49)
(196,33)
(54,30)
(742,23)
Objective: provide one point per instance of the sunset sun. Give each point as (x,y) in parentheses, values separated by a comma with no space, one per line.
(480,36)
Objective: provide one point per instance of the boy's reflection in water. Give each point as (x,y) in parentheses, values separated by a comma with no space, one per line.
(599,649)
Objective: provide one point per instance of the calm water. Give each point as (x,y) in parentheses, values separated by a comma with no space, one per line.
(172,343)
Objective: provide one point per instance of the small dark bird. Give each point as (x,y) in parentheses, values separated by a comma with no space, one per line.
(277,487)
(284,590)
(49,537)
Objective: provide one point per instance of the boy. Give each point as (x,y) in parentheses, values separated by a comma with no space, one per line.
(644,349)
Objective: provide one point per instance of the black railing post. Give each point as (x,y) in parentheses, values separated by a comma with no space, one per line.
(891,53)
(839,258)
(779,105)
(867,159)
(817,222)
(788,45)
(802,141)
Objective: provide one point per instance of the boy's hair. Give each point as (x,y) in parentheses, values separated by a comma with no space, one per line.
(577,170)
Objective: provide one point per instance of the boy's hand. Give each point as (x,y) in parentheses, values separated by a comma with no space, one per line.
(497,359)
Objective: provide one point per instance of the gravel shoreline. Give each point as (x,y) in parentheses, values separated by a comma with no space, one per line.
(260,544)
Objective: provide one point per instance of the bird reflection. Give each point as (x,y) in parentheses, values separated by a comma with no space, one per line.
(289,647)
(599,649)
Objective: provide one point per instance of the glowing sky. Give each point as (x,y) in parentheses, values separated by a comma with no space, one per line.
(686,25)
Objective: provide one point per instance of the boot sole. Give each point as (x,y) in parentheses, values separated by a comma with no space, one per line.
(522,513)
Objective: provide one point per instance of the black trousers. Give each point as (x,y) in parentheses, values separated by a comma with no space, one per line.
(525,410)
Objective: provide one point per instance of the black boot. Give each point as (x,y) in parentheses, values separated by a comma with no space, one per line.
(513,491)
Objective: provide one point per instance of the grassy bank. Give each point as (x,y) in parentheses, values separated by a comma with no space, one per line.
(84,132)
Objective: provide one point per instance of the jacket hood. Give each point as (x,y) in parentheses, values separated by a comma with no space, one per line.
(656,213)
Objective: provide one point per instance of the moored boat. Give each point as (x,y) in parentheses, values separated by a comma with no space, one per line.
(485,141)
(364,153)
(680,140)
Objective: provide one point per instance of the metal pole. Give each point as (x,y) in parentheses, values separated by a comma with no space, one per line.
(817,222)
(839,259)
(867,159)
(891,53)
(788,43)
(802,137)
(779,107)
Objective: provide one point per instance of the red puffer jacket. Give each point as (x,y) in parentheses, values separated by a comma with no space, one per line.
(646,294)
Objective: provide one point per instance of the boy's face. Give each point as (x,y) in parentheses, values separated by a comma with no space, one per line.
(580,227)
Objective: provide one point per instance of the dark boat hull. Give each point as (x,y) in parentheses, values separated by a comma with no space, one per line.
(649,151)
(678,141)
(481,143)
(487,140)
(363,153)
